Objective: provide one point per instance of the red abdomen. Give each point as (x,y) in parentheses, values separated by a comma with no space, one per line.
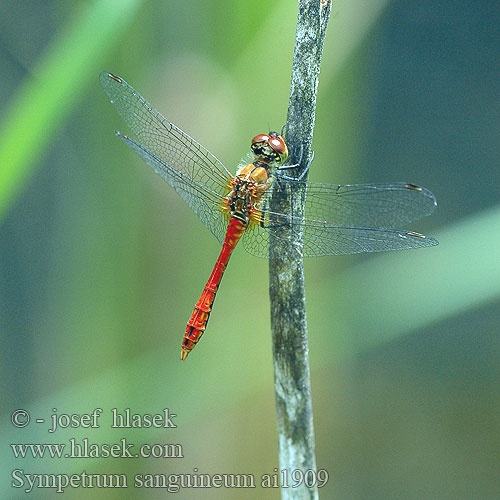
(199,319)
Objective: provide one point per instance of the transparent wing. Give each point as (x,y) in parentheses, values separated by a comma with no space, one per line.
(338,219)
(168,143)
(321,239)
(368,205)
(344,219)
(204,202)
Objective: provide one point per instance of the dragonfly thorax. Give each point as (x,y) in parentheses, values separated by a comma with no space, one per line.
(247,189)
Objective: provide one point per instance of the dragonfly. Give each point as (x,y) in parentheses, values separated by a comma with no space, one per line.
(339,219)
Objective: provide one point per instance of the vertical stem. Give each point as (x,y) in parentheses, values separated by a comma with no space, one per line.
(286,282)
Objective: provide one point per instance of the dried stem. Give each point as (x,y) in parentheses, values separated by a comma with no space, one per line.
(287,293)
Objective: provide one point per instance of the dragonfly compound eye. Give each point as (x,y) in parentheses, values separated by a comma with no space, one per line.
(260,138)
(270,146)
(277,142)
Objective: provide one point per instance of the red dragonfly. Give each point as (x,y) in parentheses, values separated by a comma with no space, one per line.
(339,219)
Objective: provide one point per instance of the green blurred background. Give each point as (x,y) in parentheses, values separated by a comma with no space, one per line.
(101,262)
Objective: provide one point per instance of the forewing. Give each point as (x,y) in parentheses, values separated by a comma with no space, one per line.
(368,205)
(167,142)
(346,219)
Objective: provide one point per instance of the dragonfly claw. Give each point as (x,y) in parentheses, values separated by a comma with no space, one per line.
(296,179)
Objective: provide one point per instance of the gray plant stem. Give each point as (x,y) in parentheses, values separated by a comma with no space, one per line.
(286,271)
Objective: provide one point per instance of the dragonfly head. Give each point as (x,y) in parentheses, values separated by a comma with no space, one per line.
(270,147)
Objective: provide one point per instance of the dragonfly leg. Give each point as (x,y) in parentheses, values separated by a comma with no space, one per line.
(286,167)
(295,165)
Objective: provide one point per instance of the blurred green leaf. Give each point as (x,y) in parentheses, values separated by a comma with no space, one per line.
(415,289)
(44,99)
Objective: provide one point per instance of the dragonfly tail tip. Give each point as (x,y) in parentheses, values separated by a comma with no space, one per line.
(184,353)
